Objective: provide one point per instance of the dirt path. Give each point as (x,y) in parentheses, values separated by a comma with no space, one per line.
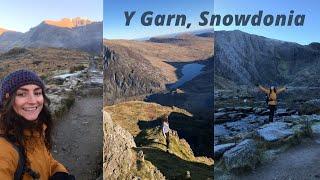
(78,138)
(301,162)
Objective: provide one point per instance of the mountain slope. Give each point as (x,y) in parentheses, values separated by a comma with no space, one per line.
(140,121)
(248,59)
(139,68)
(80,35)
(44,61)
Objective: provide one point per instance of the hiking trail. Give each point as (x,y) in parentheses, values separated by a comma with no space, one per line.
(77,138)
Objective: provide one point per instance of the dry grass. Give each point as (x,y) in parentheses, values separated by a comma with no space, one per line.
(44,61)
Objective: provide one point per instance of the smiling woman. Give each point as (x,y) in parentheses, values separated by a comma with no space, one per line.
(29,102)
(25,129)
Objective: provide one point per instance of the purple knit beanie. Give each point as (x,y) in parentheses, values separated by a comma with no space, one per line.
(15,80)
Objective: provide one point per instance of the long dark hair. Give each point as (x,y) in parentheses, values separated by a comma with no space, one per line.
(274,89)
(13,125)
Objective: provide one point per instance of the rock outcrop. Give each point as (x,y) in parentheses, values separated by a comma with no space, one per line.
(120,160)
(128,74)
(117,148)
(275,131)
(242,156)
(69,22)
(249,59)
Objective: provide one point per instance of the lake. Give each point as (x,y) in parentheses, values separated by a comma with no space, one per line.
(189,71)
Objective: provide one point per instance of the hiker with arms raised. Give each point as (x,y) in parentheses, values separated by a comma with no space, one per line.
(271,99)
(25,130)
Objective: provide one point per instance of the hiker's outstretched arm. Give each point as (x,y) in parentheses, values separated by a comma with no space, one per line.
(8,160)
(56,166)
(281,90)
(263,89)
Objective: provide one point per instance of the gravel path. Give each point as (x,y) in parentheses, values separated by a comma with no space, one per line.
(77,138)
(301,162)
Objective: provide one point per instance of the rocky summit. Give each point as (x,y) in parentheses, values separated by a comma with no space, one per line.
(74,34)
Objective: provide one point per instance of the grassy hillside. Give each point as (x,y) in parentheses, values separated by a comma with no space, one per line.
(141,120)
(44,61)
(132,115)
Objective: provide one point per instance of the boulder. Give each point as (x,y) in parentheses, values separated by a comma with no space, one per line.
(316,129)
(310,107)
(242,156)
(258,110)
(221,148)
(236,115)
(275,131)
(220,115)
(240,126)
(281,112)
(245,109)
(220,130)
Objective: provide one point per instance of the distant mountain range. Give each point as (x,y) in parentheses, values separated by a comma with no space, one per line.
(246,59)
(77,33)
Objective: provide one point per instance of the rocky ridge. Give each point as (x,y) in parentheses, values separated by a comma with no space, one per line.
(84,36)
(247,59)
(69,22)
(149,141)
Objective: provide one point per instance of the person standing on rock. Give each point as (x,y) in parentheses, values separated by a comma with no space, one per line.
(271,99)
(25,130)
(166,130)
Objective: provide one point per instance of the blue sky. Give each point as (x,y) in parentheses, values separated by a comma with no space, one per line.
(300,34)
(21,15)
(114,19)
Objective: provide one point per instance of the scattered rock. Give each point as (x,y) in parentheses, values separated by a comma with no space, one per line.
(245,109)
(310,107)
(275,131)
(221,148)
(242,156)
(220,130)
(316,129)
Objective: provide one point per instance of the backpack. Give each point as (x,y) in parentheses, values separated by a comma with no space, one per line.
(268,98)
(22,159)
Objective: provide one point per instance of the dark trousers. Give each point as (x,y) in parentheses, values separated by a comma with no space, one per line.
(167,140)
(272,109)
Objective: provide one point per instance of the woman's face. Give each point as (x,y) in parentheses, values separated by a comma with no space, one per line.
(28,102)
